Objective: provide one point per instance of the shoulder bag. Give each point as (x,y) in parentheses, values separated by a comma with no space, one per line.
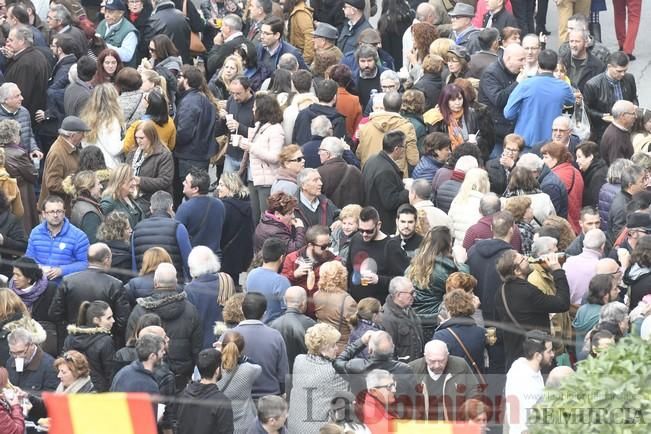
(467,353)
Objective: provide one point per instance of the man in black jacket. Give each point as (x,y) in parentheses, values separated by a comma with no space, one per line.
(383,186)
(205,410)
(326,91)
(582,65)
(521,306)
(91,285)
(601,92)
(226,42)
(496,84)
(170,21)
(293,324)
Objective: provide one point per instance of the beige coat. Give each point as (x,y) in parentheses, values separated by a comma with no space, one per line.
(9,187)
(334,308)
(301,26)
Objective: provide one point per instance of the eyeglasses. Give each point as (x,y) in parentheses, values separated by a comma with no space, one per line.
(407,292)
(323,150)
(511,151)
(266,33)
(297,160)
(367,231)
(630,113)
(324,246)
(55,212)
(391,386)
(22,353)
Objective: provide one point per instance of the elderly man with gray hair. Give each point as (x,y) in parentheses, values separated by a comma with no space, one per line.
(380,390)
(30,368)
(180,321)
(342,179)
(401,321)
(208,290)
(616,140)
(549,182)
(11,107)
(580,269)
(314,208)
(320,128)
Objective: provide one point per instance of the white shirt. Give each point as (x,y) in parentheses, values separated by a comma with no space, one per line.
(524,388)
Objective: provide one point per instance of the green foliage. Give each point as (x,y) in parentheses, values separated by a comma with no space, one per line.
(610,395)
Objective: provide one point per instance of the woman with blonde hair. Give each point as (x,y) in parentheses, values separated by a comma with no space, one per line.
(86,213)
(464,210)
(315,381)
(238,376)
(119,194)
(365,319)
(103,115)
(341,236)
(152,164)
(332,303)
(116,232)
(292,162)
(429,271)
(14,315)
(143,284)
(221,80)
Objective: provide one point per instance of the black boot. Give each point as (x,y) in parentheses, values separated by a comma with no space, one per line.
(595,31)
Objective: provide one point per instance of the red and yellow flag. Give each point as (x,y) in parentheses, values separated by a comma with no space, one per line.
(102,413)
(420,427)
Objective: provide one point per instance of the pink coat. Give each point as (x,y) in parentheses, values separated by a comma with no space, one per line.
(482,8)
(265,144)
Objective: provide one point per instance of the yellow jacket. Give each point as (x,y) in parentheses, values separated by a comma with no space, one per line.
(9,186)
(166,133)
(301,26)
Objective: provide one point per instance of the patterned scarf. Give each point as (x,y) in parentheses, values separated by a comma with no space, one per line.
(455,129)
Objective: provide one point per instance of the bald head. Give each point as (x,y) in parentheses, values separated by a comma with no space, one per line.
(425,13)
(381,344)
(558,375)
(514,56)
(165,276)
(607,266)
(624,113)
(295,297)
(99,255)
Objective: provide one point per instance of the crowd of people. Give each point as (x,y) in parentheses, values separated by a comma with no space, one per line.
(277,217)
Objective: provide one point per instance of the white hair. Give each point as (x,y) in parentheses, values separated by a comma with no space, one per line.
(202,260)
(594,239)
(543,246)
(465,163)
(531,162)
(165,275)
(378,377)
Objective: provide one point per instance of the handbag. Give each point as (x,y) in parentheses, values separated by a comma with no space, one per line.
(196,46)
(467,353)
(579,122)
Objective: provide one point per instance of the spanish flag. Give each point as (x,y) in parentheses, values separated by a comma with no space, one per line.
(102,413)
(420,427)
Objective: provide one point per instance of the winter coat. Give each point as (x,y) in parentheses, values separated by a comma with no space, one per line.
(155,172)
(87,216)
(587,317)
(14,241)
(170,21)
(617,214)
(302,126)
(138,287)
(464,215)
(133,106)
(342,182)
(495,87)
(430,84)
(237,236)
(446,193)
(607,194)
(265,144)
(531,308)
(61,161)
(358,331)
(325,214)
(348,105)
(166,134)
(270,227)
(240,381)
(419,127)
(371,134)
(181,323)
(96,344)
(75,97)
(590,67)
(475,122)
(541,204)
(639,279)
(348,36)
(38,375)
(135,378)
(133,210)
(599,97)
(300,28)
(195,126)
(30,71)
(12,420)
(219,53)
(27,139)
(15,321)
(203,292)
(426,168)
(109,140)
(383,188)
(20,167)
(404,326)
(121,259)
(89,285)
(573,181)
(472,336)
(593,179)
(292,326)
(551,184)
(210,413)
(333,308)
(67,250)
(497,175)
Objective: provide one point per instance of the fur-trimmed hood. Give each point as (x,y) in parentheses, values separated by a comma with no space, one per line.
(69,188)
(79,330)
(169,305)
(81,338)
(32,326)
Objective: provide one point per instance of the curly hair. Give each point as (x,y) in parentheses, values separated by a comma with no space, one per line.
(460,280)
(76,363)
(323,60)
(566,231)
(114,227)
(557,151)
(517,206)
(413,101)
(281,202)
(232,311)
(83,182)
(459,303)
(333,277)
(424,35)
(319,337)
(9,132)
(432,64)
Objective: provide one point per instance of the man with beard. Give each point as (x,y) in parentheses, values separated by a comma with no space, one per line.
(521,306)
(582,65)
(367,262)
(524,382)
(302,266)
(367,59)
(139,375)
(404,244)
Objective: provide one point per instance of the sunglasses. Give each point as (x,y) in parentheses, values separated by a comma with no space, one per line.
(324,246)
(367,231)
(297,160)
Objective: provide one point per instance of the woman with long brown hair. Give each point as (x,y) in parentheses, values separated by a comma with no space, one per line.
(86,213)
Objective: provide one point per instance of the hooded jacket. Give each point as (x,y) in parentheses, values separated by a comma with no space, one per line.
(587,317)
(482,258)
(302,126)
(181,323)
(96,344)
(593,179)
(371,134)
(211,412)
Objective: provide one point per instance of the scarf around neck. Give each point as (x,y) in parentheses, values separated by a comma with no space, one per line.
(30,294)
(75,387)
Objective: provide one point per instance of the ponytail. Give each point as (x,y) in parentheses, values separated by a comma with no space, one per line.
(230,356)
(89,310)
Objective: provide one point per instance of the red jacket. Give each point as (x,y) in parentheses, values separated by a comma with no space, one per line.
(376,416)
(11,419)
(482,231)
(573,181)
(289,266)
